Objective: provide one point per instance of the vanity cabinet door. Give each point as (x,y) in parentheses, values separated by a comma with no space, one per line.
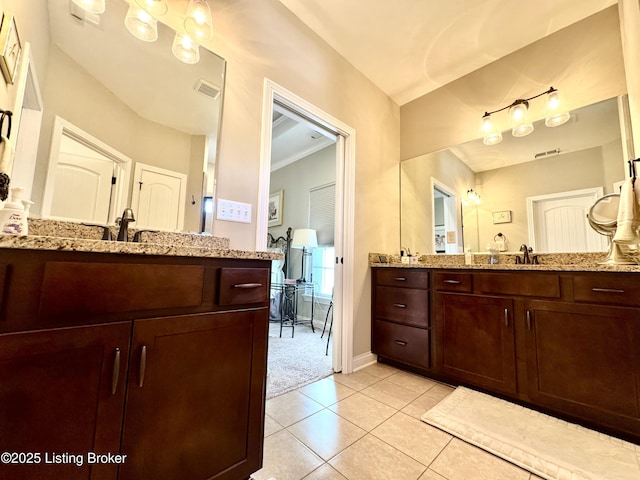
(195,399)
(476,340)
(584,360)
(62,391)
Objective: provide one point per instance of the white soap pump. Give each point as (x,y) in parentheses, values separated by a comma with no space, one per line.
(13,216)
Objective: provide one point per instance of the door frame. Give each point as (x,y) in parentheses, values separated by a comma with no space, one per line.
(594,192)
(450,216)
(122,166)
(343,307)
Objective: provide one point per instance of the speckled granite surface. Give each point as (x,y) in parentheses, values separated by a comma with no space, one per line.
(576,262)
(66,236)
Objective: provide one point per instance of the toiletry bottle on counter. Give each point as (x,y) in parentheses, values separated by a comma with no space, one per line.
(13,216)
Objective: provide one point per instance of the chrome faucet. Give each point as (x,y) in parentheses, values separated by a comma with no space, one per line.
(124,221)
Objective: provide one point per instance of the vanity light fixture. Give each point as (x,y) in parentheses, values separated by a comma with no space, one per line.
(157,8)
(91,6)
(473,197)
(518,115)
(198,22)
(141,24)
(185,49)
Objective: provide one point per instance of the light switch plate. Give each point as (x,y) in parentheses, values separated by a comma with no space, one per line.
(233,211)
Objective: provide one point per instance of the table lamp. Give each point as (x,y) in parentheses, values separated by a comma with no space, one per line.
(304,238)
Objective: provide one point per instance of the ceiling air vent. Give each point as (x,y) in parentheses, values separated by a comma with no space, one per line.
(208,89)
(81,14)
(548,153)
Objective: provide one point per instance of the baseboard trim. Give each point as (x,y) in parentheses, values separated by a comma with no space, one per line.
(364,360)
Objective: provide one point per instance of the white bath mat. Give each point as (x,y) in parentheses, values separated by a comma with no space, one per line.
(544,445)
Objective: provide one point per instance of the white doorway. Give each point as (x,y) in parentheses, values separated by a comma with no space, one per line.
(158,198)
(444,227)
(342,351)
(558,222)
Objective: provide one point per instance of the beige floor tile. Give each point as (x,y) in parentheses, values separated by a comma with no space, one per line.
(326,433)
(380,370)
(391,394)
(291,407)
(461,461)
(357,380)
(363,411)
(372,459)
(285,458)
(431,475)
(427,400)
(271,426)
(325,472)
(412,381)
(327,391)
(420,441)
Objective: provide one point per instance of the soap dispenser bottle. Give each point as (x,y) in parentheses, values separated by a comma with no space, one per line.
(13,216)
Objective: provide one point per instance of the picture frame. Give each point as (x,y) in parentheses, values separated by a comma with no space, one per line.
(10,47)
(276,204)
(503,216)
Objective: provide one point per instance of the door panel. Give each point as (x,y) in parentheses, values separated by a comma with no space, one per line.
(158,198)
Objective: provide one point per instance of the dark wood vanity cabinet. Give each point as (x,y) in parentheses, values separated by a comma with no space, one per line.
(401,328)
(160,359)
(567,343)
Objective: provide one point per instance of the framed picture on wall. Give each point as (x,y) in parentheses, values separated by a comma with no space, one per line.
(10,47)
(276,202)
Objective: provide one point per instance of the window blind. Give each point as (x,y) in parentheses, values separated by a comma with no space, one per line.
(322,212)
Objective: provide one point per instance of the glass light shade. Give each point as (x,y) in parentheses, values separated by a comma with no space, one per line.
(157,8)
(473,197)
(304,237)
(92,6)
(198,21)
(555,114)
(141,24)
(490,133)
(520,125)
(185,49)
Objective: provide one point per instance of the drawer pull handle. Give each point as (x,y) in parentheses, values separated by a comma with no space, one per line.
(115,375)
(528,320)
(143,365)
(402,343)
(399,305)
(400,279)
(506,317)
(247,285)
(607,290)
(453,282)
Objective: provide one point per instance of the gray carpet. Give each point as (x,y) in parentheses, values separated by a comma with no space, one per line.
(294,362)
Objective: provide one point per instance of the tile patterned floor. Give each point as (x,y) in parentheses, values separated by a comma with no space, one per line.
(366,426)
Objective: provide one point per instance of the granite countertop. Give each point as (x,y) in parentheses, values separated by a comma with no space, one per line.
(555,262)
(73,237)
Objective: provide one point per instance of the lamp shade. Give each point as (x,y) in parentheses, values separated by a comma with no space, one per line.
(91,6)
(141,24)
(198,22)
(185,49)
(304,238)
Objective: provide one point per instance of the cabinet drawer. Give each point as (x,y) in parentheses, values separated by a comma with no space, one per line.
(402,343)
(402,277)
(611,289)
(403,305)
(526,284)
(243,285)
(452,281)
(78,288)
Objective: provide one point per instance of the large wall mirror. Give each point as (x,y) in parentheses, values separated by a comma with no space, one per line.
(581,160)
(133,104)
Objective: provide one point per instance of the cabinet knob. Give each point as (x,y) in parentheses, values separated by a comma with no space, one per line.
(115,375)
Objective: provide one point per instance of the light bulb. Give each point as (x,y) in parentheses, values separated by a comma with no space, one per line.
(491,135)
(198,22)
(518,112)
(92,6)
(157,8)
(555,114)
(141,25)
(185,49)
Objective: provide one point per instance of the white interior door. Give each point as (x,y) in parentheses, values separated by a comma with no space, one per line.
(158,198)
(83,179)
(558,222)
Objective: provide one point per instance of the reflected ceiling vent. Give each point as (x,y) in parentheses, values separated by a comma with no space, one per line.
(84,16)
(208,89)
(548,153)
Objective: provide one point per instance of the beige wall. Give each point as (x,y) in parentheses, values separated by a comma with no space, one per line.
(584,61)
